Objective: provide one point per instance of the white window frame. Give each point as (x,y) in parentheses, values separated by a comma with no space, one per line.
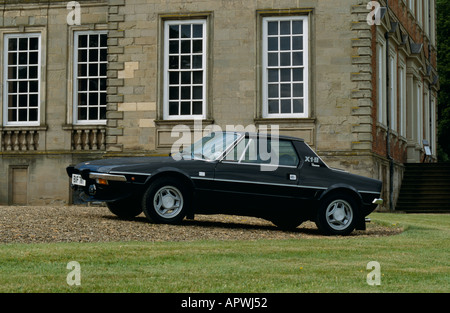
(402,98)
(167,70)
(412,6)
(305,66)
(393,89)
(6,80)
(419,16)
(426,105)
(381,81)
(433,125)
(76,121)
(426,10)
(419,108)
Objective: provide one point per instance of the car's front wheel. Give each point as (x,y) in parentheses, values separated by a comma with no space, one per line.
(337,214)
(125,208)
(166,201)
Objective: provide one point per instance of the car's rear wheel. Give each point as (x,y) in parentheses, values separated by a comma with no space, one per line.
(126,208)
(337,214)
(166,201)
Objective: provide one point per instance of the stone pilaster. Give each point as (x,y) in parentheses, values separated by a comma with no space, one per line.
(362,77)
(114,82)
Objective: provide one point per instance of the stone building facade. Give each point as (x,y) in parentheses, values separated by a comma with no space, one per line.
(107,78)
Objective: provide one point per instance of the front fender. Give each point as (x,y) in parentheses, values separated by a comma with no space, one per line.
(342,188)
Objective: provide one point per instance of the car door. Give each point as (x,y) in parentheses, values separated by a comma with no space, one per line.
(257,174)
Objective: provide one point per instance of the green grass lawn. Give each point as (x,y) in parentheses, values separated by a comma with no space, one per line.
(417,260)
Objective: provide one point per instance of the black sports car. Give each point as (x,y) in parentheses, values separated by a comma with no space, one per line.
(277,178)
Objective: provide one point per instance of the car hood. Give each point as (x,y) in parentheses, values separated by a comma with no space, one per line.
(123,164)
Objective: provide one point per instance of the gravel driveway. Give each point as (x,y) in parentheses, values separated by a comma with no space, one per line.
(43,224)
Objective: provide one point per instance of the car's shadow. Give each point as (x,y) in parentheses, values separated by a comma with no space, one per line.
(225,225)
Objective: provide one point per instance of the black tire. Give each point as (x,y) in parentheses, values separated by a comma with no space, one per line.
(126,208)
(287,223)
(337,214)
(167,201)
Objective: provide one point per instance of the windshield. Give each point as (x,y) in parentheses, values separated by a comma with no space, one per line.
(210,147)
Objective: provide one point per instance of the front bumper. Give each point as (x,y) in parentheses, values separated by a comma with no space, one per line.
(102,186)
(378,201)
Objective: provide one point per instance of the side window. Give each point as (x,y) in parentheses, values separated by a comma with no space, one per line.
(253,151)
(287,154)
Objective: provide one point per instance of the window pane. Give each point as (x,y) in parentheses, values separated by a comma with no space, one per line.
(173,108)
(285,28)
(174,46)
(272,28)
(285,59)
(23,44)
(173,62)
(173,93)
(82,41)
(12,44)
(274,107)
(185,62)
(297,27)
(285,90)
(186,93)
(272,44)
(197,108)
(34,86)
(197,93)
(298,90)
(186,31)
(298,106)
(185,46)
(174,31)
(297,74)
(297,58)
(12,59)
(285,75)
(174,78)
(286,106)
(185,78)
(185,108)
(273,76)
(285,43)
(93,55)
(273,91)
(198,77)
(33,115)
(93,41)
(197,31)
(23,101)
(297,43)
(273,59)
(197,61)
(33,58)
(197,46)
(23,72)
(23,115)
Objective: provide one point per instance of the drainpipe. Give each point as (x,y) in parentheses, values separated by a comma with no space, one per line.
(388,121)
(429,82)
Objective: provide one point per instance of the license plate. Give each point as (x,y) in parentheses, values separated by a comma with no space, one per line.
(77,180)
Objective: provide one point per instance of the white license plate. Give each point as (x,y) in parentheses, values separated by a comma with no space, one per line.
(77,180)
